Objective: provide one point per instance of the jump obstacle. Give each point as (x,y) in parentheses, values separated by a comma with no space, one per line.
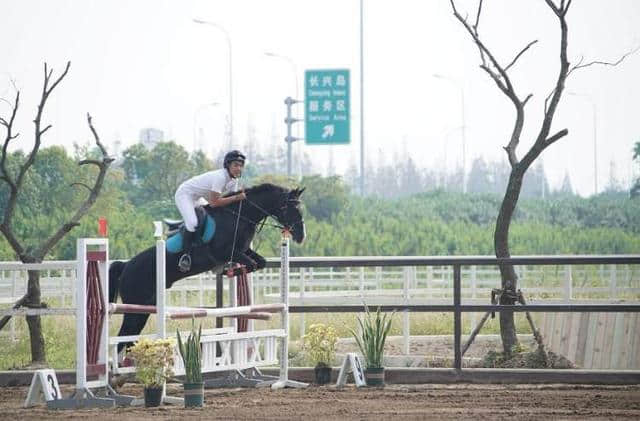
(223,349)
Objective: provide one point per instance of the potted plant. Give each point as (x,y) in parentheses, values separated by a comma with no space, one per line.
(191,354)
(154,365)
(374,328)
(320,344)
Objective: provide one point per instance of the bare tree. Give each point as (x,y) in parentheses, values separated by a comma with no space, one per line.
(499,74)
(15,181)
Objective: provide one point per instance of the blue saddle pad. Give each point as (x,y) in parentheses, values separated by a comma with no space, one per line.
(174,243)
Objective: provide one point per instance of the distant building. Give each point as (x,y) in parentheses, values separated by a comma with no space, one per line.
(149,137)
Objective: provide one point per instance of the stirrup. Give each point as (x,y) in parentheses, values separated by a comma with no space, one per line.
(184,264)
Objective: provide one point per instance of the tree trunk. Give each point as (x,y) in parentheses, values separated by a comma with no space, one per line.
(507,273)
(38,354)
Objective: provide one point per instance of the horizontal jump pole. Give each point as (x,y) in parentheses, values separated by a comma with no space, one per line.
(174,313)
(258,310)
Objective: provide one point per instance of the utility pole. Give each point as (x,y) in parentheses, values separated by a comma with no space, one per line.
(289,120)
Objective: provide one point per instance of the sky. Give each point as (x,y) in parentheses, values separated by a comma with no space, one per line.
(144,63)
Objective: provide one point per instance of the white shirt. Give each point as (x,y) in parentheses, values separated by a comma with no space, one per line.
(218,181)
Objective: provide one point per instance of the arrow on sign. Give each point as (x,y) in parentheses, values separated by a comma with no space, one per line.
(328,131)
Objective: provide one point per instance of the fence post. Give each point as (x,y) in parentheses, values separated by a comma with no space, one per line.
(14,293)
(614,283)
(568,284)
(302,287)
(474,294)
(406,322)
(219,298)
(457,329)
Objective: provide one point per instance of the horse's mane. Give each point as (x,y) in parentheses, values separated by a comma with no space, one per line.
(265,188)
(259,189)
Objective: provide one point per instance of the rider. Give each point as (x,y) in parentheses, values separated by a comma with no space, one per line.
(211,186)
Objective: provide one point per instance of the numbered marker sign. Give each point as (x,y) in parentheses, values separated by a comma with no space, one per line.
(44,387)
(352,364)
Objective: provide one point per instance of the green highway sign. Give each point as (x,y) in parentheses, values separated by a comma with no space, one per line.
(326,107)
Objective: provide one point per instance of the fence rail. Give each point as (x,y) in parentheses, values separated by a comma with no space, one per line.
(580,283)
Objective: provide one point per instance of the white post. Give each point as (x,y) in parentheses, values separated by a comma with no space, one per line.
(302,286)
(284,297)
(474,295)
(14,293)
(81,315)
(161,280)
(614,283)
(83,397)
(161,300)
(568,284)
(83,386)
(405,314)
(250,286)
(201,290)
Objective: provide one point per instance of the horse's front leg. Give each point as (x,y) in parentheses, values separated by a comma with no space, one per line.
(247,264)
(261,262)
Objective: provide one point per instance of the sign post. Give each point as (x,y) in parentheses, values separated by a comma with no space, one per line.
(327,107)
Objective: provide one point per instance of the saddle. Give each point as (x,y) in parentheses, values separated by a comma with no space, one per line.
(177,225)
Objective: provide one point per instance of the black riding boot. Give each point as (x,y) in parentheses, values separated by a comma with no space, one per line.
(184,264)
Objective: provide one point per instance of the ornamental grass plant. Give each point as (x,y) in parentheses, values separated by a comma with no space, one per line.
(374,328)
(191,354)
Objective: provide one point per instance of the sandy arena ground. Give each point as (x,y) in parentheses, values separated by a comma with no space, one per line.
(442,402)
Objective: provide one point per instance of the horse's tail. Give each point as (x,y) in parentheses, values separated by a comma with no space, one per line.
(115,270)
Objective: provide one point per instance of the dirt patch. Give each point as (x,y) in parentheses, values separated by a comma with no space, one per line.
(436,350)
(524,402)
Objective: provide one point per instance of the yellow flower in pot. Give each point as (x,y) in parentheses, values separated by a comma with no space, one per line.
(374,328)
(320,345)
(154,359)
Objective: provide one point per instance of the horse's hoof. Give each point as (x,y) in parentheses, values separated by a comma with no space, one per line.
(184,264)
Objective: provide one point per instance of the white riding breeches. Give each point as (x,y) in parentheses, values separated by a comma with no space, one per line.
(186,205)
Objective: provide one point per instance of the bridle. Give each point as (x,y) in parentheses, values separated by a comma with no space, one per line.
(265,214)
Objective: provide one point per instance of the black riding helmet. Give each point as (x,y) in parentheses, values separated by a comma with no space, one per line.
(234,155)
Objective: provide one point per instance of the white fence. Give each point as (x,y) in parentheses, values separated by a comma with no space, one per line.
(371,285)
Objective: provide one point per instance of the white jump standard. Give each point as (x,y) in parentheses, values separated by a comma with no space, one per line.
(223,350)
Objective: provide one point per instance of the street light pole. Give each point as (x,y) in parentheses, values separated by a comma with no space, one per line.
(361,98)
(464,128)
(289,102)
(228,38)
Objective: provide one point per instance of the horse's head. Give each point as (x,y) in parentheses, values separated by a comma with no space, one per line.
(290,216)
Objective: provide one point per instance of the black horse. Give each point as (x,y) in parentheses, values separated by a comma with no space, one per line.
(234,227)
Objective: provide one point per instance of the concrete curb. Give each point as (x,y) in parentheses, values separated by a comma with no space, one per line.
(417,376)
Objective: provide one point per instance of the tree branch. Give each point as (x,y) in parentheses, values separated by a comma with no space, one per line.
(89,201)
(553,99)
(501,79)
(603,63)
(562,133)
(520,54)
(483,49)
(9,136)
(16,305)
(46,91)
(96,137)
(5,226)
(475,27)
(81,185)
